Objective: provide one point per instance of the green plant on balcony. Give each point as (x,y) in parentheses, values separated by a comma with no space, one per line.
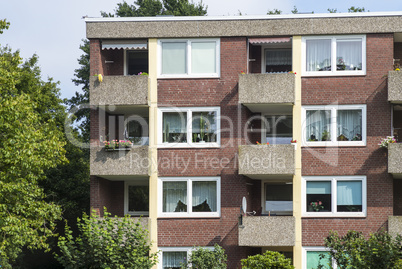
(143,74)
(117,144)
(325,136)
(386,141)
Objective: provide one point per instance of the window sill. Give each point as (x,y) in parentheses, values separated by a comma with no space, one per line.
(334,215)
(216,76)
(189,215)
(332,144)
(333,74)
(189,145)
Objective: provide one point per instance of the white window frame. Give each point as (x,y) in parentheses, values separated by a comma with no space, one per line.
(333,126)
(126,186)
(176,249)
(188,73)
(334,180)
(189,143)
(125,69)
(333,71)
(264,127)
(307,249)
(189,214)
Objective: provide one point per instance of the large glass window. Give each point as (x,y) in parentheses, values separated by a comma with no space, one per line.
(173,259)
(137,61)
(187,127)
(183,197)
(192,57)
(343,125)
(278,129)
(337,196)
(278,60)
(313,258)
(137,197)
(279,199)
(334,55)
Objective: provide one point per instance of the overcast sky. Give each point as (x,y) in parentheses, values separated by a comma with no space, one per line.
(53,29)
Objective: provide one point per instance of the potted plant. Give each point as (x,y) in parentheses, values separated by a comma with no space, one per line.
(325,136)
(342,137)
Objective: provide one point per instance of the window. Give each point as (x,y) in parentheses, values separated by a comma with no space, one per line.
(136,196)
(278,199)
(136,130)
(136,61)
(334,196)
(189,58)
(173,257)
(278,60)
(189,127)
(277,129)
(334,55)
(343,125)
(189,197)
(312,258)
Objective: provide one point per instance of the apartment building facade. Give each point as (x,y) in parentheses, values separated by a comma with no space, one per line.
(215,91)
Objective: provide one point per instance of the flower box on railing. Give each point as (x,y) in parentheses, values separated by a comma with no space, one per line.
(117,145)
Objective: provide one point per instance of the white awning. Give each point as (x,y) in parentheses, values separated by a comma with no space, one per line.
(124,44)
(267,40)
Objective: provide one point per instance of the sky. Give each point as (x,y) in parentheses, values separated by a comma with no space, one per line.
(54,29)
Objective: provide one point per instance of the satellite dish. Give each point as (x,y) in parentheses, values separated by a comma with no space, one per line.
(244,205)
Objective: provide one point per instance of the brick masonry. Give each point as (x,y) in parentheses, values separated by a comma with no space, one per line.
(370,160)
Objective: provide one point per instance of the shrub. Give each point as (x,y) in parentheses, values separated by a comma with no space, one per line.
(268,260)
(202,258)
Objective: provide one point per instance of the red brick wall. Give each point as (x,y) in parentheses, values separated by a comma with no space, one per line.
(115,68)
(109,194)
(370,160)
(95,61)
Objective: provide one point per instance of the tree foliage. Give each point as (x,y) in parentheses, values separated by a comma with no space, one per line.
(353,250)
(356,9)
(203,258)
(31,143)
(106,243)
(274,12)
(268,260)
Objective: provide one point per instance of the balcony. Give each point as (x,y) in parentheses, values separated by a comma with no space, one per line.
(395,86)
(267,231)
(395,225)
(132,162)
(395,159)
(271,88)
(119,90)
(267,161)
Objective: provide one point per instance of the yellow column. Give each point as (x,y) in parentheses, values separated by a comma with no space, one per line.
(153,152)
(297,134)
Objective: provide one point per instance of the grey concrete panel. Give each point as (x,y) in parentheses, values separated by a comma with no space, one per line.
(395,86)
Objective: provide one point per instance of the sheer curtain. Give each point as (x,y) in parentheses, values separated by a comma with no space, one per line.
(318,55)
(350,124)
(203,57)
(208,126)
(278,57)
(349,193)
(175,196)
(174,57)
(204,192)
(174,123)
(349,54)
(317,122)
(173,259)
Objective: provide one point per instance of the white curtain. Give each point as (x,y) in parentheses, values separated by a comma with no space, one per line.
(174,122)
(173,259)
(278,57)
(203,57)
(318,55)
(173,193)
(279,205)
(349,54)
(349,193)
(349,123)
(174,57)
(205,191)
(317,121)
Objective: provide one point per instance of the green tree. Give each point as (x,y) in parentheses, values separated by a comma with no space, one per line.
(356,9)
(274,12)
(353,250)
(332,10)
(268,260)
(31,143)
(202,258)
(294,10)
(106,243)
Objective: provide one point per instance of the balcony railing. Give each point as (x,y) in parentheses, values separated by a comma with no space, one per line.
(119,90)
(395,159)
(263,161)
(395,86)
(265,231)
(133,162)
(271,88)
(395,225)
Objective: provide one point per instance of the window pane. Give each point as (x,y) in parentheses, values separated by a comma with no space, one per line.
(349,196)
(175,196)
(279,60)
(173,260)
(313,259)
(318,196)
(138,198)
(349,125)
(318,124)
(175,127)
(174,57)
(279,129)
(137,61)
(137,130)
(204,196)
(278,197)
(204,126)
(318,54)
(203,57)
(348,55)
